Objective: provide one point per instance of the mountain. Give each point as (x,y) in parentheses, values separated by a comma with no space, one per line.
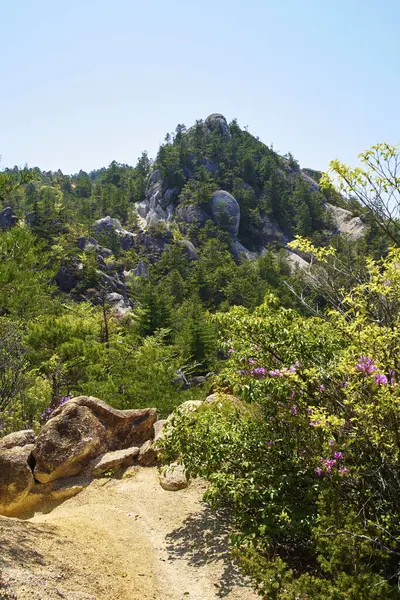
(213,174)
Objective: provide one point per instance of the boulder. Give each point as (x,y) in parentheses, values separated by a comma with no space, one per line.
(217,122)
(141,269)
(227,399)
(83,242)
(106,224)
(197,381)
(272,232)
(238,250)
(111,460)
(124,428)
(158,428)
(190,214)
(296,261)
(68,442)
(16,479)
(154,180)
(169,197)
(143,208)
(112,284)
(119,304)
(18,438)
(189,406)
(155,215)
(225,211)
(148,455)
(173,478)
(314,187)
(345,222)
(188,249)
(67,276)
(209,164)
(7,218)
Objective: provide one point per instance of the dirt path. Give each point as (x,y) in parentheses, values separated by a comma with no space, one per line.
(125,539)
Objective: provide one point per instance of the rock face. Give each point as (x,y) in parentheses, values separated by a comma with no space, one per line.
(190,214)
(7,218)
(225,211)
(18,438)
(67,442)
(16,479)
(346,223)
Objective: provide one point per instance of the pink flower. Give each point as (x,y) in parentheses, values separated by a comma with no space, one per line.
(331,442)
(366,365)
(380,379)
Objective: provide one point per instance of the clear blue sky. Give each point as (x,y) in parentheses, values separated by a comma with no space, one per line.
(84,82)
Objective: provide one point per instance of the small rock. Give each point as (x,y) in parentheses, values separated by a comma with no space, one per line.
(110,460)
(173,478)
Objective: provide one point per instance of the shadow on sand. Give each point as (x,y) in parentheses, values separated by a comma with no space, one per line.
(204,538)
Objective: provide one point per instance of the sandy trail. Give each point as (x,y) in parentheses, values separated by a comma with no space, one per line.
(122,539)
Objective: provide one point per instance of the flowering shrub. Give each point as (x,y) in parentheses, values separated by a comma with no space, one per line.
(311,469)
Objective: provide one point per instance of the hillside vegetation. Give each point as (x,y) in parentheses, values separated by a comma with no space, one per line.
(223,264)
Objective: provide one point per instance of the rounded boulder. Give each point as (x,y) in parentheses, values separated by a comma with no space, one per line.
(225,212)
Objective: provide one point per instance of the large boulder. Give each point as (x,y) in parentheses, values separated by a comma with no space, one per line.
(68,276)
(124,428)
(16,479)
(345,222)
(18,438)
(7,218)
(217,122)
(155,179)
(127,239)
(68,442)
(225,211)
(106,224)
